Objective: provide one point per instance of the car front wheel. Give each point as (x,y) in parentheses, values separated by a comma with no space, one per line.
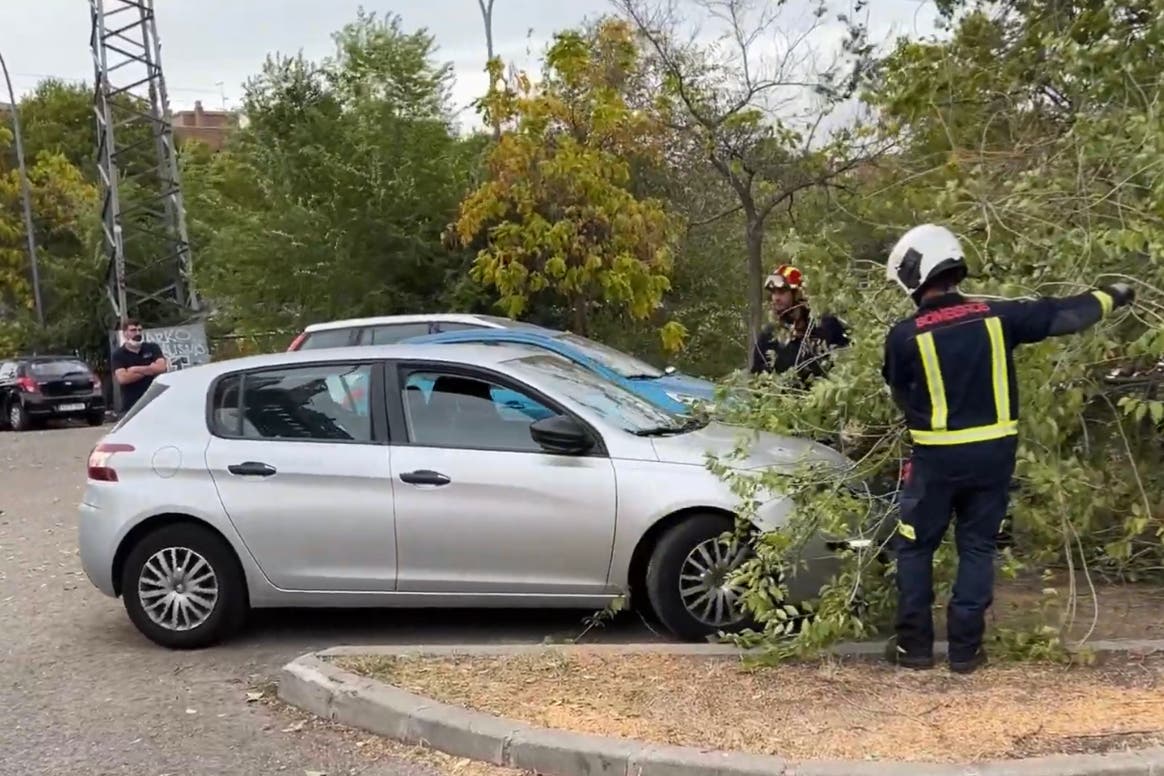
(183,588)
(687,579)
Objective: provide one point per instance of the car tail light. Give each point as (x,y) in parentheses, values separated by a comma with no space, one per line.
(28,385)
(295,343)
(100,459)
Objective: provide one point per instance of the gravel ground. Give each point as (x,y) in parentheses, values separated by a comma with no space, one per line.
(828,709)
(82,693)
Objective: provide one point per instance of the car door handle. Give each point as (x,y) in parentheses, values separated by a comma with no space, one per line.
(251,469)
(425,477)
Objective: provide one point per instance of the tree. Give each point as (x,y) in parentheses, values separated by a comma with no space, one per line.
(749,119)
(58,117)
(332,201)
(556,214)
(1047,201)
(63,203)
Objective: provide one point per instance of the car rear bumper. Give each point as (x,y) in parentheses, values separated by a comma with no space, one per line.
(63,406)
(97,542)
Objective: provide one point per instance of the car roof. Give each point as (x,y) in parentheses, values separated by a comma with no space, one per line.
(487,335)
(379,320)
(63,357)
(470,353)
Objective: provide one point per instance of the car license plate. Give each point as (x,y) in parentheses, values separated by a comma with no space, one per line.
(70,407)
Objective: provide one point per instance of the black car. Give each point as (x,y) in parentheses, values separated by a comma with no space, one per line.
(36,388)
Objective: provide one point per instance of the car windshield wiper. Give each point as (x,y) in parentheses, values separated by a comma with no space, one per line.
(689,424)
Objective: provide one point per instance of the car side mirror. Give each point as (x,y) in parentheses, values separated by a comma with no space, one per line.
(561,434)
(670,370)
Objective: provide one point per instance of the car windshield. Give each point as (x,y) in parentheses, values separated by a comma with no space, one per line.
(622,363)
(615,404)
(51,369)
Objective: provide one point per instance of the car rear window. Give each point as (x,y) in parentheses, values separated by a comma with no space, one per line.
(49,369)
(328,338)
(155,390)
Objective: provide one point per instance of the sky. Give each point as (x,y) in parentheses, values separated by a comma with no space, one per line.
(210,47)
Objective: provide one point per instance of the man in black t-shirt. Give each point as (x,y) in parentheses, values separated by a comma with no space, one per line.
(135,365)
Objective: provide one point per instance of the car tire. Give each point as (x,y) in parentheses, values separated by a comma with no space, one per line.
(96,418)
(672,559)
(18,417)
(203,619)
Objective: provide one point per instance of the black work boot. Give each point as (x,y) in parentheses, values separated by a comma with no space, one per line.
(969,665)
(898,656)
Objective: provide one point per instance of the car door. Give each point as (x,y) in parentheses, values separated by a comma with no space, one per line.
(480,508)
(302,467)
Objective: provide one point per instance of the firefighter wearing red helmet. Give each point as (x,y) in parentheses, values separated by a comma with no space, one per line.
(794,338)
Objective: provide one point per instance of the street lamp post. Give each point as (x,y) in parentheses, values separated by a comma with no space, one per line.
(24,192)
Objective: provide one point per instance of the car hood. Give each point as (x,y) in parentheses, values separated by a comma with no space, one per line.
(765,449)
(682,384)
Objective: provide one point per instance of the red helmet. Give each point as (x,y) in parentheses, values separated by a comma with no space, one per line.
(785,276)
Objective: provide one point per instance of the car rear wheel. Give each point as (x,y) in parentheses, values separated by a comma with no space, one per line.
(687,579)
(183,588)
(18,417)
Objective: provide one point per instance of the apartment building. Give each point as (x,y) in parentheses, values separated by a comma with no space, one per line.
(211,127)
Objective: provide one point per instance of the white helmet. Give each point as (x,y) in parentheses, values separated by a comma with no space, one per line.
(922,254)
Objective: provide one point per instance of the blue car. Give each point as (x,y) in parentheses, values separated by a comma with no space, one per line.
(664,388)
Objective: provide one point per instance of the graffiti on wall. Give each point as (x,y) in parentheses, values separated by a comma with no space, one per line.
(183,346)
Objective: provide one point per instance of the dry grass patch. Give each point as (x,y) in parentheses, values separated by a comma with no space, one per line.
(831,709)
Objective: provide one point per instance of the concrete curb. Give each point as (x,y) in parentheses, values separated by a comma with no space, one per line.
(853,649)
(315,685)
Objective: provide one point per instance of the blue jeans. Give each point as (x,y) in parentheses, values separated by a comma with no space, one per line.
(972,484)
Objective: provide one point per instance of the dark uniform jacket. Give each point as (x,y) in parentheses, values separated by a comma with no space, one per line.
(950,367)
(792,343)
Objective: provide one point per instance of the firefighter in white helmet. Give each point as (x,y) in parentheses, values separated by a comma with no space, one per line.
(950,370)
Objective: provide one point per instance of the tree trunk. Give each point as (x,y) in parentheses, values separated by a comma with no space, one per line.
(487,17)
(755,243)
(580,322)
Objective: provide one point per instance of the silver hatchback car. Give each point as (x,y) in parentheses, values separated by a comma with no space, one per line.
(414,476)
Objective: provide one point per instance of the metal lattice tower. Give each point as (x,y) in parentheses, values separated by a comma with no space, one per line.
(143,215)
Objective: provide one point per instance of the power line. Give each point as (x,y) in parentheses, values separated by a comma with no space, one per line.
(43,76)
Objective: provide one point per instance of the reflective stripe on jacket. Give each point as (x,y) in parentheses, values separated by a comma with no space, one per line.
(950,367)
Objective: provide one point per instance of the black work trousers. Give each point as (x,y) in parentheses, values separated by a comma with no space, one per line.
(972,484)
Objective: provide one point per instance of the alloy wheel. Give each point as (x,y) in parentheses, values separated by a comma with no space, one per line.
(178,589)
(704,584)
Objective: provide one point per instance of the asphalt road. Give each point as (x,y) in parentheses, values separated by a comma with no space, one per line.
(83,694)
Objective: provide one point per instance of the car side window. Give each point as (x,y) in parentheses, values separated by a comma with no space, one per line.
(444,409)
(328,402)
(391,333)
(7,370)
(442,326)
(327,338)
